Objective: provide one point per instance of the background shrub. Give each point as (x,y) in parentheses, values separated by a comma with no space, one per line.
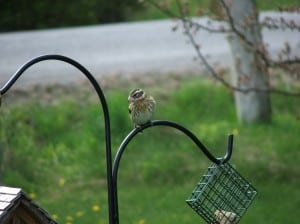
(36,14)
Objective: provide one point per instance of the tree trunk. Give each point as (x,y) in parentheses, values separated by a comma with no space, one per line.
(249,70)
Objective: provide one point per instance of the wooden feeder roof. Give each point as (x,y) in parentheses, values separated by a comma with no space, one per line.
(16,205)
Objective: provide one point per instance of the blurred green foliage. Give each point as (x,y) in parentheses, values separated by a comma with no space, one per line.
(36,14)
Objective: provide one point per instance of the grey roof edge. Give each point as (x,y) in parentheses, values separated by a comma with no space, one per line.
(21,198)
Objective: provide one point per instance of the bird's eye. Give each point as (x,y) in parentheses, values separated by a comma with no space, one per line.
(138,94)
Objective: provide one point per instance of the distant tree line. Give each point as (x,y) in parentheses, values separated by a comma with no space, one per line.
(39,14)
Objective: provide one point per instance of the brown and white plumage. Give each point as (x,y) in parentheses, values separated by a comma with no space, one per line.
(141,107)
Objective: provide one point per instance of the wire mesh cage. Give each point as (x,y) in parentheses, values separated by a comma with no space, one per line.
(222,196)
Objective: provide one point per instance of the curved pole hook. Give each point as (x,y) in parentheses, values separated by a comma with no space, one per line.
(101,96)
(187,132)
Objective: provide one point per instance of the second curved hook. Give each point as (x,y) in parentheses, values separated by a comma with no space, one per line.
(187,132)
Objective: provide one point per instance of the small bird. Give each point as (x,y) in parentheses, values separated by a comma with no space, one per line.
(141,107)
(224,217)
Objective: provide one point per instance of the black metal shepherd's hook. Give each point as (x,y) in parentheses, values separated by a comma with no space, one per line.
(187,132)
(101,96)
(112,168)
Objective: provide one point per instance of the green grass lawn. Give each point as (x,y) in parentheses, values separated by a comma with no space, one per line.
(54,150)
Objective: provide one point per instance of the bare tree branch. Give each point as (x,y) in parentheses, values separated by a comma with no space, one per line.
(197,26)
(285,62)
(188,24)
(260,50)
(272,23)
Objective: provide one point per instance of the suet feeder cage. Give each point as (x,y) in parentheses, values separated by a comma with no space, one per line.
(222,196)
